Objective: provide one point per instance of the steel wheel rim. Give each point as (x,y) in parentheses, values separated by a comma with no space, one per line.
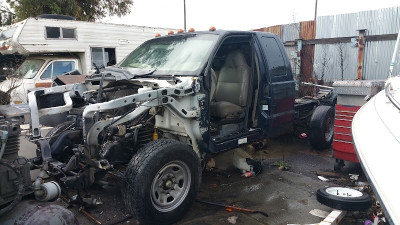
(170,186)
(329,128)
(344,192)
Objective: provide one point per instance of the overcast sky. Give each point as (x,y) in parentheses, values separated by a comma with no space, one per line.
(238,14)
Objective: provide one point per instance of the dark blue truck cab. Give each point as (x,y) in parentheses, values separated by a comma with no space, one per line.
(250,88)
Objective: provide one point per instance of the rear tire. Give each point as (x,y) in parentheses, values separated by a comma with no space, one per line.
(321,127)
(162,181)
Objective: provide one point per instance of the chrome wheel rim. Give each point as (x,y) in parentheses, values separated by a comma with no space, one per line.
(344,192)
(170,186)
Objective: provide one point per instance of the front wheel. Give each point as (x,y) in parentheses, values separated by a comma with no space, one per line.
(162,181)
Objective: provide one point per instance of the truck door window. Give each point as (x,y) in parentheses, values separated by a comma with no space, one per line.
(103,56)
(58,68)
(275,60)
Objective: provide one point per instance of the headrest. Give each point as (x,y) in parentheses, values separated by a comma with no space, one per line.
(235,59)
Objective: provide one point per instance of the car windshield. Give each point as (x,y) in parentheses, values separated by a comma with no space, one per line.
(6,34)
(174,55)
(29,68)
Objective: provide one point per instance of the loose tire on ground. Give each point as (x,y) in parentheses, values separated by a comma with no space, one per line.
(321,127)
(57,130)
(160,169)
(344,198)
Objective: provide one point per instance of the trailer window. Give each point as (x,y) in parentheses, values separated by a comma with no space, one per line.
(5,34)
(68,33)
(103,57)
(60,33)
(57,68)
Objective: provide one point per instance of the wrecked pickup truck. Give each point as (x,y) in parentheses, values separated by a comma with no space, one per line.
(164,109)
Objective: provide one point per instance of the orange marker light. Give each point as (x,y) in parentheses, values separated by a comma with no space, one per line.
(180,31)
(43,84)
(170,32)
(212,29)
(4,47)
(158,35)
(191,29)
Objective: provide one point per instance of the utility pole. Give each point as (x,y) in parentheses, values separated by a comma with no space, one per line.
(315,11)
(184,15)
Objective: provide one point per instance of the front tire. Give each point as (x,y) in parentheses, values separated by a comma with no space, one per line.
(162,181)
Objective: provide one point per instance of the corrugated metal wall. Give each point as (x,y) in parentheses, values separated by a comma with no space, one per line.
(343,25)
(377,54)
(323,61)
(377,57)
(275,30)
(307,32)
(327,62)
(382,21)
(290,50)
(290,32)
(307,29)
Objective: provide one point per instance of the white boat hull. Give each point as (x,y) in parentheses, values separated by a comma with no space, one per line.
(376,136)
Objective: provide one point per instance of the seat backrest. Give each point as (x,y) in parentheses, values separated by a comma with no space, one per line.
(233,80)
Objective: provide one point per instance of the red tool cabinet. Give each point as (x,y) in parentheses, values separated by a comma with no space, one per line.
(343,148)
(352,94)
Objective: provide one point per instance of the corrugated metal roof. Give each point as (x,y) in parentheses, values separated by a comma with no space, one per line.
(290,32)
(307,30)
(377,58)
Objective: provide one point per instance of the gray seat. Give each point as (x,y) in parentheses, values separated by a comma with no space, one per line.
(232,87)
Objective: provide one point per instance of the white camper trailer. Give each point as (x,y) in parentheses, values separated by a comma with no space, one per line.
(57,46)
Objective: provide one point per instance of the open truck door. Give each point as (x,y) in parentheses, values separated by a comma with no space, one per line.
(277,92)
